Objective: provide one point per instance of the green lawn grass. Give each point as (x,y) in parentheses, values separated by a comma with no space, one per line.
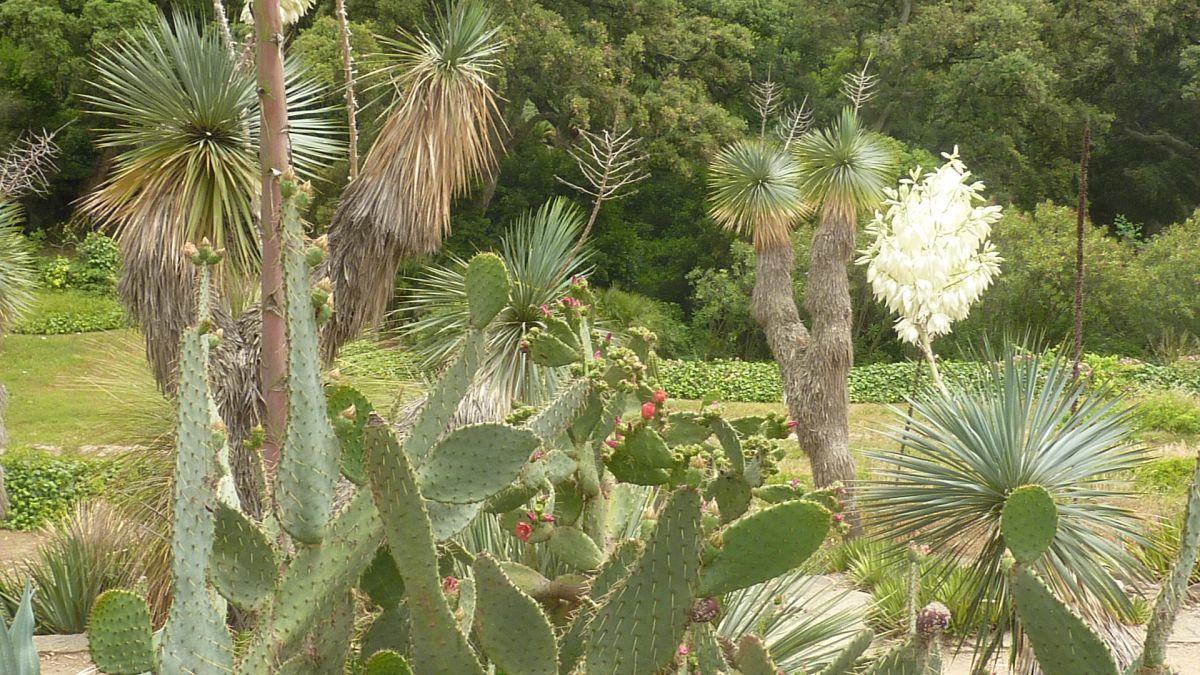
(63,389)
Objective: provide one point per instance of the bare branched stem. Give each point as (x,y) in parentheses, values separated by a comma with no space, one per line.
(26,167)
(795,122)
(860,87)
(766,101)
(223,24)
(348,75)
(610,163)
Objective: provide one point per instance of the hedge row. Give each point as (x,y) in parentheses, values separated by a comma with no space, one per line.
(758,381)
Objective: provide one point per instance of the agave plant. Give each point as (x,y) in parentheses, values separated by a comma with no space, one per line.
(437,137)
(539,251)
(1027,420)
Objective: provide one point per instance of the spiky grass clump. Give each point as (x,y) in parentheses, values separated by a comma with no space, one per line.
(17,274)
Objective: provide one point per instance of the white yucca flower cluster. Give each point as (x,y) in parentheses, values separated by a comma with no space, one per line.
(931,259)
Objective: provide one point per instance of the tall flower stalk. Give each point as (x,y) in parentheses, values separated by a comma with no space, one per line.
(931,258)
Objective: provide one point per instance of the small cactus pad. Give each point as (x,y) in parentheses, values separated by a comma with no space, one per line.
(575,548)
(119,634)
(348,412)
(1029,521)
(753,658)
(683,429)
(511,628)
(243,567)
(444,398)
(547,350)
(437,644)
(732,493)
(486,282)
(381,581)
(387,662)
(844,663)
(647,448)
(389,631)
(475,462)
(641,624)
(748,426)
(765,545)
(730,443)
(1062,642)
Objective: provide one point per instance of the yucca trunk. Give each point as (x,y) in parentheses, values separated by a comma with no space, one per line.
(348,75)
(273,156)
(823,411)
(773,305)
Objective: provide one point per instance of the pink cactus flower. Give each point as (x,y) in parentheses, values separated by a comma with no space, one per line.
(660,397)
(611,443)
(537,454)
(547,517)
(648,410)
(608,337)
(837,517)
(683,650)
(532,516)
(523,530)
(597,355)
(545,310)
(792,424)
(450,586)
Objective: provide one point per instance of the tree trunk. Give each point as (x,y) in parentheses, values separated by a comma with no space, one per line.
(824,407)
(773,304)
(273,156)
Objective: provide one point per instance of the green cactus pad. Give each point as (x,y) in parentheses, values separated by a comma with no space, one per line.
(732,494)
(1029,522)
(310,456)
(547,350)
(243,567)
(778,493)
(575,548)
(195,630)
(511,628)
(563,331)
(475,462)
(709,658)
(448,520)
(511,497)
(627,469)
(1062,642)
(683,429)
(381,581)
(752,657)
(443,399)
(912,657)
(389,631)
(386,663)
(561,412)
(329,642)
(314,575)
(437,644)
(730,443)
(486,282)
(585,424)
(643,619)
(348,412)
(647,448)
(748,426)
(844,663)
(765,545)
(120,634)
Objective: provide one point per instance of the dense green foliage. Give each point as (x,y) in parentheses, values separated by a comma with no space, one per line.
(42,487)
(679,73)
(70,311)
(758,381)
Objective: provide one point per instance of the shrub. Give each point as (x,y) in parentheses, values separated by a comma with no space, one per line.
(1169,411)
(98,260)
(64,312)
(42,487)
(55,273)
(625,309)
(1171,475)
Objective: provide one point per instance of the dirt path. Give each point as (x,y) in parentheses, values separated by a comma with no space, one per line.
(16,547)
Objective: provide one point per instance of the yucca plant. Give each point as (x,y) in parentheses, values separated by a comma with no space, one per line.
(437,137)
(185,127)
(1027,420)
(540,253)
(17,274)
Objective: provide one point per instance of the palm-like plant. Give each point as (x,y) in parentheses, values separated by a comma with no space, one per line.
(844,169)
(437,137)
(186,128)
(1027,420)
(540,253)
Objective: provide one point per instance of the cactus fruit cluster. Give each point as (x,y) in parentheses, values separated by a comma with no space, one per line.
(559,480)
(1062,641)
